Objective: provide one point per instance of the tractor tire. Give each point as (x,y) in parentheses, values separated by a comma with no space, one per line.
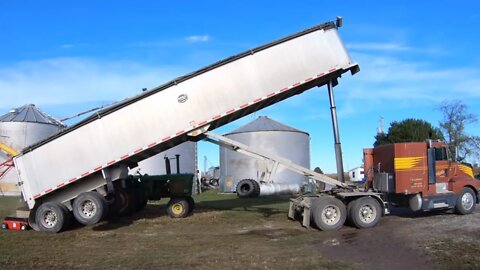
(466,202)
(364,212)
(50,217)
(191,204)
(125,202)
(89,208)
(256,189)
(247,188)
(328,213)
(178,207)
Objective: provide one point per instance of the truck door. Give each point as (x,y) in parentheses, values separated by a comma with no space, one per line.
(442,165)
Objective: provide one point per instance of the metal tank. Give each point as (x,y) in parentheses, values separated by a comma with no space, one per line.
(275,138)
(187,153)
(20,128)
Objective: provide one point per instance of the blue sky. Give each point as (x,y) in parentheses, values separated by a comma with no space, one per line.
(68,57)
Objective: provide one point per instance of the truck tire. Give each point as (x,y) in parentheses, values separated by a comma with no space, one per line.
(50,217)
(247,188)
(328,213)
(466,201)
(89,208)
(178,208)
(364,212)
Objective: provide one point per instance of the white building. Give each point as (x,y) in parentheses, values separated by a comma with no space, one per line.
(356,174)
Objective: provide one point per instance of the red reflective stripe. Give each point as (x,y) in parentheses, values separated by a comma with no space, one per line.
(72,180)
(180,132)
(85,173)
(152,144)
(271,94)
(48,190)
(244,105)
(36,196)
(308,79)
(98,168)
(202,123)
(111,162)
(231,111)
(296,84)
(257,100)
(331,70)
(166,139)
(138,150)
(216,117)
(320,75)
(60,185)
(284,89)
(124,156)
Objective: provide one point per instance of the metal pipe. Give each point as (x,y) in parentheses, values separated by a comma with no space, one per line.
(177,157)
(336,134)
(167,166)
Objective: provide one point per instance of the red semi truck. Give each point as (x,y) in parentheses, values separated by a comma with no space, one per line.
(422,176)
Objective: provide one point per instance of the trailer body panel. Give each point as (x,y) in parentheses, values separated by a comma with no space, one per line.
(161,118)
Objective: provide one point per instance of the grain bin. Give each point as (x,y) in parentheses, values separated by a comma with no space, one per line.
(272,137)
(20,128)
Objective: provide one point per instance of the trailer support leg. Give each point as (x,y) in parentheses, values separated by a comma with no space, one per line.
(336,133)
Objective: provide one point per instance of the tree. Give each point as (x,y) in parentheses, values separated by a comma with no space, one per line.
(455,118)
(408,130)
(318,170)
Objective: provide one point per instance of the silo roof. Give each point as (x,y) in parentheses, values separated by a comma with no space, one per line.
(263,123)
(29,113)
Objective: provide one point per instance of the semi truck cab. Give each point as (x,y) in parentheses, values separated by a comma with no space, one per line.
(422,176)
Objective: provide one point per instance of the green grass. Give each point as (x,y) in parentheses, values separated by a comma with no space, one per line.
(225,232)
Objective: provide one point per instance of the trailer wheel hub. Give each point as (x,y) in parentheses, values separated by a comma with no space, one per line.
(50,219)
(367,213)
(89,209)
(330,215)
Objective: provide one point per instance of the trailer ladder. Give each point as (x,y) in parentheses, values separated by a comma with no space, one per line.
(273,159)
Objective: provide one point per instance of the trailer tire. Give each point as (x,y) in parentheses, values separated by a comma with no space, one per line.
(364,212)
(89,208)
(328,213)
(50,217)
(178,208)
(466,202)
(246,188)
(4,226)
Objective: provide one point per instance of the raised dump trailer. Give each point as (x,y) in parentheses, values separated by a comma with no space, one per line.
(75,170)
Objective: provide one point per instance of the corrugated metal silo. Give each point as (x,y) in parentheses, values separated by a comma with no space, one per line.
(272,137)
(20,128)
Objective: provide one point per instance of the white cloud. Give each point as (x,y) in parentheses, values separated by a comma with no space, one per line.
(77,80)
(195,39)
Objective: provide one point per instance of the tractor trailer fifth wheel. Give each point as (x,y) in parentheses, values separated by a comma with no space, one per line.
(328,213)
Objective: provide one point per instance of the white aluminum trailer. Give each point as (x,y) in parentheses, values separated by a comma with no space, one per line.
(89,156)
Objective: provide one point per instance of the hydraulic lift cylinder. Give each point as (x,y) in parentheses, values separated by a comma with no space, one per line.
(336,134)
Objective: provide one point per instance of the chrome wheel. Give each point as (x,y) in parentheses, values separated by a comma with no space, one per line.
(88,209)
(49,219)
(467,201)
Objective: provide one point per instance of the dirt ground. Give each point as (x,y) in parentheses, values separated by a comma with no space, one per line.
(226,232)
